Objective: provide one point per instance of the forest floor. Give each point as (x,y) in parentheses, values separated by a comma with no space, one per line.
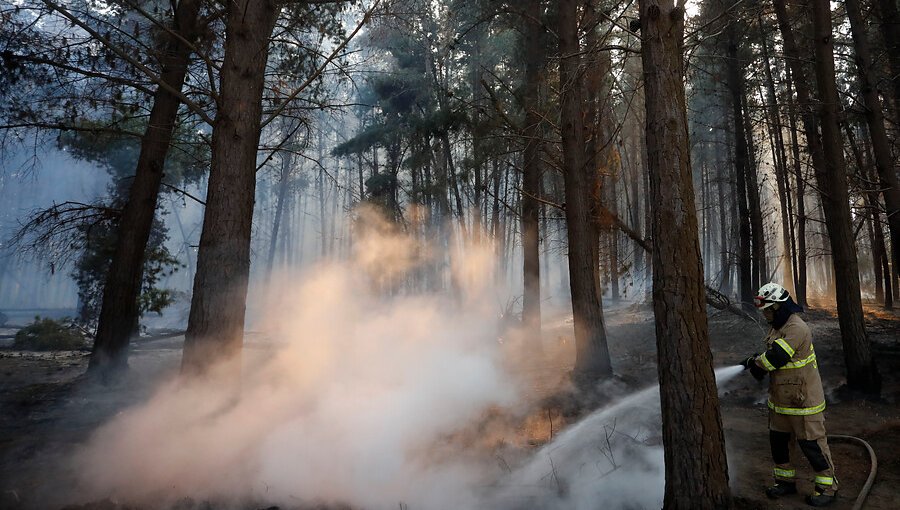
(43,401)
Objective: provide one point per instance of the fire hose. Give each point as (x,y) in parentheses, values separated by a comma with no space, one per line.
(861,498)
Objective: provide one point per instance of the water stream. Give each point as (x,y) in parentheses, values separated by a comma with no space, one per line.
(613,458)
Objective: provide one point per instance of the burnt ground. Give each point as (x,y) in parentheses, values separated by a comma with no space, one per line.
(43,399)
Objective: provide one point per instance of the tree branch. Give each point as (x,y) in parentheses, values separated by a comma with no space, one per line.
(131,60)
(321,68)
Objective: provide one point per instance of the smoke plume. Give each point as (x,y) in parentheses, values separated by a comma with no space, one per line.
(341,401)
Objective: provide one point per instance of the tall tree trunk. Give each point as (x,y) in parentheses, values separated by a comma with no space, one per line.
(741,163)
(614,236)
(879,248)
(724,259)
(648,219)
(119,311)
(801,197)
(876,255)
(531,168)
(862,374)
(320,187)
(634,210)
(862,170)
(287,163)
(216,322)
(705,224)
(810,125)
(890,30)
(896,278)
(782,182)
(884,162)
(478,158)
(757,234)
(591,351)
(692,421)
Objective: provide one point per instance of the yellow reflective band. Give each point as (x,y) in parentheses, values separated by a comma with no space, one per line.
(800,364)
(824,480)
(784,473)
(787,348)
(797,411)
(766,363)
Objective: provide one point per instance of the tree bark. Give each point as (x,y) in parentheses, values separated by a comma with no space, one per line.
(862,373)
(692,421)
(119,311)
(531,169)
(592,360)
(216,322)
(881,146)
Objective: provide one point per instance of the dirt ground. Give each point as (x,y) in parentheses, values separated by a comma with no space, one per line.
(41,395)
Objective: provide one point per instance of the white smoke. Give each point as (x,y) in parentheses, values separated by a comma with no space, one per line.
(343,404)
(361,399)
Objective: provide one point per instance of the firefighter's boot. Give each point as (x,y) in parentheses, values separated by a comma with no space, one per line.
(781,488)
(819,498)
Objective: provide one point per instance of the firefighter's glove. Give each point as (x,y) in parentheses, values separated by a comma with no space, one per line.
(749,362)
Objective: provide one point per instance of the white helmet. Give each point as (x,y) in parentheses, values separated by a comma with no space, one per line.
(769,294)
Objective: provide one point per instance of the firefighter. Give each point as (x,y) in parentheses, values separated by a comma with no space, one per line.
(796,398)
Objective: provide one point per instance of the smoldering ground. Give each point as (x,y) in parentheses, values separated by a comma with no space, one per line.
(366,395)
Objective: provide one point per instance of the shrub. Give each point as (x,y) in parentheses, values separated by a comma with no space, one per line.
(49,335)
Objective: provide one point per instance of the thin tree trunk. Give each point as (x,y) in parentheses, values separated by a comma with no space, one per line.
(884,162)
(757,234)
(800,182)
(636,207)
(320,189)
(862,373)
(896,278)
(119,311)
(781,179)
(741,162)
(613,238)
(287,163)
(592,360)
(478,35)
(876,255)
(216,323)
(890,30)
(883,291)
(531,168)
(705,226)
(692,421)
(724,259)
(648,219)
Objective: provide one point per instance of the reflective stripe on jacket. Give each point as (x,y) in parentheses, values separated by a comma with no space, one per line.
(795,387)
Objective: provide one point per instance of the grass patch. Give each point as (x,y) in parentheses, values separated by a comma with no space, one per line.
(49,335)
